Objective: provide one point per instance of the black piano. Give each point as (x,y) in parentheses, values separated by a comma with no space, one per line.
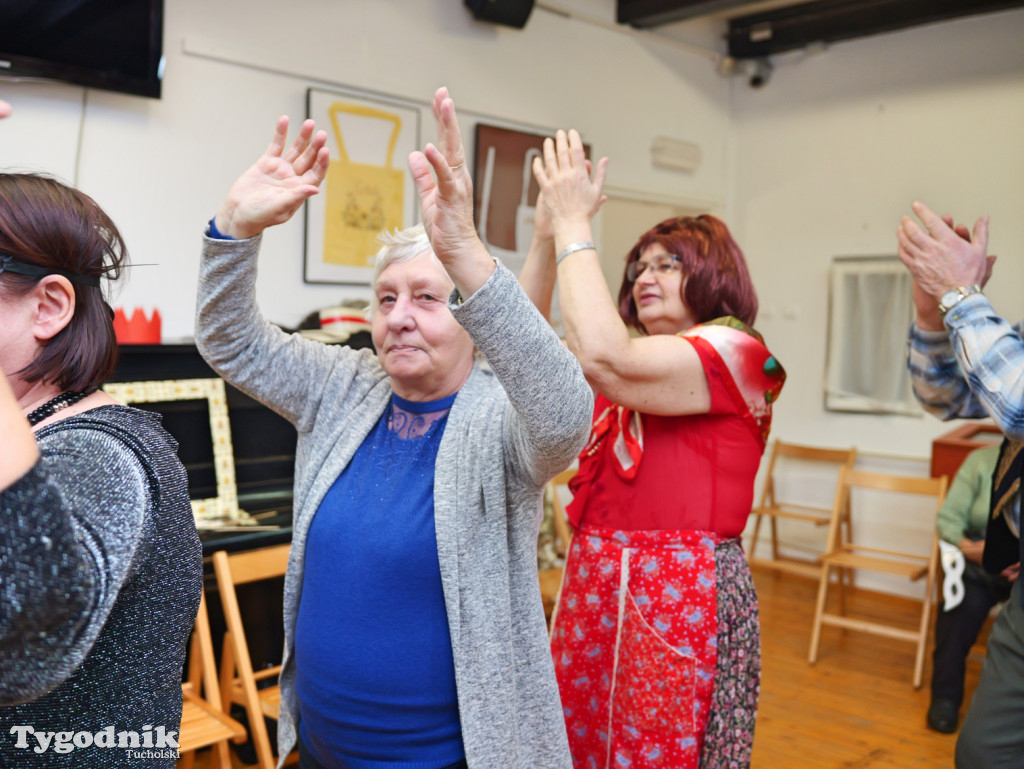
(264,450)
(264,444)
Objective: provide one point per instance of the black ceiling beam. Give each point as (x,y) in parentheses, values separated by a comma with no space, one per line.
(827,21)
(654,13)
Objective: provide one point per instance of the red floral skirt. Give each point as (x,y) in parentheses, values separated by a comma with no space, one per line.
(635,645)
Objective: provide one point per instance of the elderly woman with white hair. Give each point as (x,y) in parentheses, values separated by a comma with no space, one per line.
(414,629)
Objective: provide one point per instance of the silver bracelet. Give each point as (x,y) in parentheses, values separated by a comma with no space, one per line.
(572,248)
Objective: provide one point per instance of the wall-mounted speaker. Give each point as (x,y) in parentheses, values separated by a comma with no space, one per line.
(512,13)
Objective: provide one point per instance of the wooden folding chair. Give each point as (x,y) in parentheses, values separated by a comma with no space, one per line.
(238,680)
(551,579)
(204,721)
(790,456)
(844,555)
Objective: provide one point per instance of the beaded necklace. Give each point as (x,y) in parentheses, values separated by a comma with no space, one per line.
(51,407)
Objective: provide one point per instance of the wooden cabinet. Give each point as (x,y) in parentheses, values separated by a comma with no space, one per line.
(949,449)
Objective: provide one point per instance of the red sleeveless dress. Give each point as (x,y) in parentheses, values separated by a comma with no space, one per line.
(658,503)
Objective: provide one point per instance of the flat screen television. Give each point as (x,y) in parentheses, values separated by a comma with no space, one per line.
(114,45)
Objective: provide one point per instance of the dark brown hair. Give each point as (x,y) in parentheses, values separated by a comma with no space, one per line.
(48,224)
(716,281)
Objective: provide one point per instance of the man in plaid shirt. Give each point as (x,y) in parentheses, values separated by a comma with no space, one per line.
(966,361)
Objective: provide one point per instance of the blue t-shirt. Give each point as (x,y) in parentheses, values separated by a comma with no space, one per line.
(375,677)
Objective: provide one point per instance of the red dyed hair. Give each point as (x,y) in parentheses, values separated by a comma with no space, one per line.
(716,281)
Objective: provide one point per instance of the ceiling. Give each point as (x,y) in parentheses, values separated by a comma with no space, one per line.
(758,30)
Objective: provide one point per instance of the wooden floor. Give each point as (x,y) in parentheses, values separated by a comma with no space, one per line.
(854,709)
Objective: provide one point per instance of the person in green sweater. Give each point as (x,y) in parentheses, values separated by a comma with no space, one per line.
(961,522)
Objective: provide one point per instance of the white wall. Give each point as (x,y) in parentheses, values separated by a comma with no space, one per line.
(828,156)
(831,153)
(821,162)
(160,168)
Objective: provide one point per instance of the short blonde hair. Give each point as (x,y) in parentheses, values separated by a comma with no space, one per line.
(400,246)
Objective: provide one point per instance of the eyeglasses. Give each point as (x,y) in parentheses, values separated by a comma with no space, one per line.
(10,264)
(662,264)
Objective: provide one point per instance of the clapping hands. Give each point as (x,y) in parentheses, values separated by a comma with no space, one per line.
(943,256)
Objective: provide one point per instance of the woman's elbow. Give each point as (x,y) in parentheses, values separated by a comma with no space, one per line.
(599,370)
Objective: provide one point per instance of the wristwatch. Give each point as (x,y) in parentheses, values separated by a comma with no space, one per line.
(953,297)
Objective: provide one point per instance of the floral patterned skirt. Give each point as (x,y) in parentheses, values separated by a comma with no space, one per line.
(657,651)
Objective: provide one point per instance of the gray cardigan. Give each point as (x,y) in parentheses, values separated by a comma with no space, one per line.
(508,432)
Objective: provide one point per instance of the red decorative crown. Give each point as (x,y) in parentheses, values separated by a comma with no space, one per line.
(138,329)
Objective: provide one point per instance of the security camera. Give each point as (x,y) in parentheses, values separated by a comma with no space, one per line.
(759,72)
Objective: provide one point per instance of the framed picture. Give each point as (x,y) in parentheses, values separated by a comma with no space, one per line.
(368,186)
(222,509)
(505,190)
(506,195)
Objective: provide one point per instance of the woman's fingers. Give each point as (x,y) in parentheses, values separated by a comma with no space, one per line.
(576,154)
(562,149)
(300,144)
(539,172)
(550,161)
(280,134)
(421,176)
(599,175)
(439,96)
(449,134)
(310,154)
(439,163)
(322,160)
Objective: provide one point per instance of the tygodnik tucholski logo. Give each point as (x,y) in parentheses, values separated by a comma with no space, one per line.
(149,743)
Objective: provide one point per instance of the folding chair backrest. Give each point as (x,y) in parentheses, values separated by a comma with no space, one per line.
(238,679)
(847,557)
(551,578)
(784,457)
(204,721)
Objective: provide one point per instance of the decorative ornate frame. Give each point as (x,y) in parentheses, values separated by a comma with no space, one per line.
(224,507)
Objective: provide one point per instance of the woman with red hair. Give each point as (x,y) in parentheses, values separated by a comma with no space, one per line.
(655,639)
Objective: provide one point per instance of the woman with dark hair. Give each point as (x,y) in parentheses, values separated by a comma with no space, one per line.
(655,638)
(100,563)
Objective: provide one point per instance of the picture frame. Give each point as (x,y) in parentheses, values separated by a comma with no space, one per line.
(368,187)
(505,194)
(214,511)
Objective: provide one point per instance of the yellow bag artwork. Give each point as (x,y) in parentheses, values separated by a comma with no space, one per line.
(360,199)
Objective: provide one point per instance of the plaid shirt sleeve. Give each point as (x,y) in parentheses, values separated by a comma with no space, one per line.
(975,368)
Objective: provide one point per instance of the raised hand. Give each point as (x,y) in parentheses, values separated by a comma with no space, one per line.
(445,187)
(965,234)
(568,192)
(542,228)
(942,257)
(281,180)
